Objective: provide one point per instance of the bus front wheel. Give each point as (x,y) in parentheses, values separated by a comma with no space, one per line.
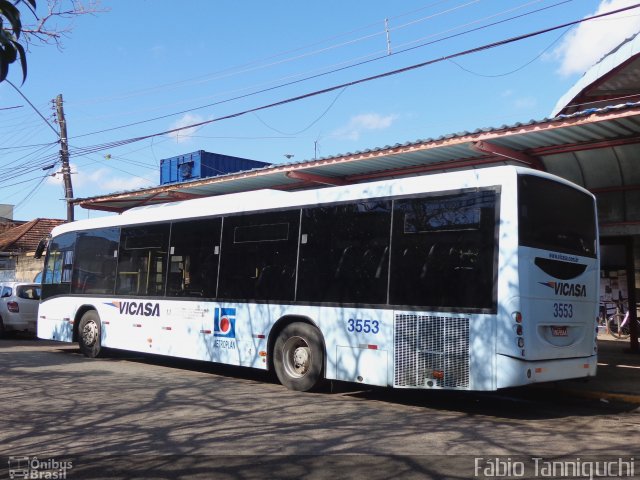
(298,357)
(89,334)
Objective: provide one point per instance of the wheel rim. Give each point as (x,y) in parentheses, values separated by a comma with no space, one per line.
(90,333)
(297,357)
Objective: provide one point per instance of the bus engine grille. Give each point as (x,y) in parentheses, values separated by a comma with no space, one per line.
(431,351)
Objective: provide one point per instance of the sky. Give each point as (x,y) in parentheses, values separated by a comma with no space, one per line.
(140,68)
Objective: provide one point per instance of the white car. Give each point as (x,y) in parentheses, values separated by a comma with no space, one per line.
(18,306)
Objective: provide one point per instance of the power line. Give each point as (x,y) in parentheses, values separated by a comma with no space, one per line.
(402,26)
(24,181)
(335,70)
(15,169)
(33,106)
(244,67)
(320,117)
(22,147)
(283,137)
(516,69)
(482,27)
(119,143)
(30,194)
(118,158)
(390,73)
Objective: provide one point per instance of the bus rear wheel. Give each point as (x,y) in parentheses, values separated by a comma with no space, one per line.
(89,334)
(298,357)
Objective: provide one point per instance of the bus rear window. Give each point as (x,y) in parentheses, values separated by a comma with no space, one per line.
(555,216)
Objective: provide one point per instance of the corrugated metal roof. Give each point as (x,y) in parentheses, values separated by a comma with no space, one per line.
(577,146)
(616,74)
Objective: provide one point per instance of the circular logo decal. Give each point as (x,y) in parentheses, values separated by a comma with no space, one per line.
(225,325)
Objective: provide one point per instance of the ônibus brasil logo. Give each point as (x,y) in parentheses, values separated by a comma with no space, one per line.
(146,309)
(567,289)
(224,322)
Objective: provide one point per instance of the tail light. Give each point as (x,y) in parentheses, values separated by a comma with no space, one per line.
(517,317)
(13,307)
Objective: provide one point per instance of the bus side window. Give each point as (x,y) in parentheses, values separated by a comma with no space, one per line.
(259,256)
(452,237)
(142,260)
(345,252)
(193,258)
(94,270)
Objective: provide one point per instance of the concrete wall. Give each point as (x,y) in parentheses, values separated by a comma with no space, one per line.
(7,268)
(28,267)
(6,211)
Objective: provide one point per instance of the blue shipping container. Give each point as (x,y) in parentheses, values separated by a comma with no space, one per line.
(201,164)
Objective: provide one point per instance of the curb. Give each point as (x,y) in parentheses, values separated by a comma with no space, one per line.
(594,394)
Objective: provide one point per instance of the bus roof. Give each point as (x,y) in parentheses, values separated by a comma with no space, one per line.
(258,200)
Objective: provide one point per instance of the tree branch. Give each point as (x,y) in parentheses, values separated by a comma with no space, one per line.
(50,30)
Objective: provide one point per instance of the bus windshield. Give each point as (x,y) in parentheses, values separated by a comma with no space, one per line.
(554,216)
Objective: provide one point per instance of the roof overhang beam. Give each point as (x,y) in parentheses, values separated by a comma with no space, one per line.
(141,200)
(580,147)
(314,178)
(491,148)
(96,205)
(175,195)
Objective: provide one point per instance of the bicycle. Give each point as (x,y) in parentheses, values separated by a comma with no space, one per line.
(618,324)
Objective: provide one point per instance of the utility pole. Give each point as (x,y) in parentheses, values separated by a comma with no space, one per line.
(64,157)
(386,29)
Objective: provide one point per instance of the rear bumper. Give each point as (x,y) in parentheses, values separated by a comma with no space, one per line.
(21,326)
(512,372)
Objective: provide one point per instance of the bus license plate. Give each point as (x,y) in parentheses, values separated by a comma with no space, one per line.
(559,331)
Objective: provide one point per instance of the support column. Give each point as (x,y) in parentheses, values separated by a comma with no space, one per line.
(631,288)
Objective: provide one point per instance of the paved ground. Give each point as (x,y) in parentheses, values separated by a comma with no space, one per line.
(129,416)
(618,377)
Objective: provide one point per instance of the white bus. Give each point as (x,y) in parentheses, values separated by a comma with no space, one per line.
(474,280)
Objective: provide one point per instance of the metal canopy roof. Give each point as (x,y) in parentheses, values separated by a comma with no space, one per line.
(597,149)
(614,76)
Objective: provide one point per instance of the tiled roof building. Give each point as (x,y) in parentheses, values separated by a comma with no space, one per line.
(24,238)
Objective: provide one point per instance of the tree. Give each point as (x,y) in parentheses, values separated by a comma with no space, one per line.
(10,48)
(16,35)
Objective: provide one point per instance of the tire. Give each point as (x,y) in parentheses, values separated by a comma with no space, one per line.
(89,334)
(3,331)
(298,357)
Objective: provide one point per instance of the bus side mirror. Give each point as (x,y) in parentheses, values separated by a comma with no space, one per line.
(42,246)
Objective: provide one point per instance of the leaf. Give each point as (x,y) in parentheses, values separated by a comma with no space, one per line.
(23,60)
(10,49)
(4,69)
(10,54)
(11,13)
(5,38)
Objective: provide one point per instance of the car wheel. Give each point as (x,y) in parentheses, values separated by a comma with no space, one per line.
(298,357)
(89,334)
